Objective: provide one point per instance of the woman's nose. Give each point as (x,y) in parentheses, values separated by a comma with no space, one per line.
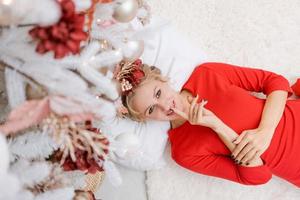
(165,105)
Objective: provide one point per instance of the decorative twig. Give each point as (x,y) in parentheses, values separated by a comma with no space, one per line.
(18,26)
(73,137)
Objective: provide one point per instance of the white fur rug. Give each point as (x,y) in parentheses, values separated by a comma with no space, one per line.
(257,33)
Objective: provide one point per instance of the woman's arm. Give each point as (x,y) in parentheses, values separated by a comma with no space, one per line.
(273,109)
(199,115)
(228,135)
(259,139)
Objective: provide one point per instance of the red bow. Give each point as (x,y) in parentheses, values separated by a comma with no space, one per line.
(63,37)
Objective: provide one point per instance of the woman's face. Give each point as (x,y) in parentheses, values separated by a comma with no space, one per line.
(155,99)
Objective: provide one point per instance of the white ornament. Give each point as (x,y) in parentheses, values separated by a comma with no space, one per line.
(133,49)
(126,10)
(127,145)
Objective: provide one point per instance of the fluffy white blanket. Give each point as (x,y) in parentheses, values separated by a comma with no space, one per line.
(176,183)
(258,33)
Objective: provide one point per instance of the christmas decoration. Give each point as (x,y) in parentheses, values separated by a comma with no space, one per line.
(129,74)
(125,10)
(58,58)
(63,37)
(128,143)
(132,50)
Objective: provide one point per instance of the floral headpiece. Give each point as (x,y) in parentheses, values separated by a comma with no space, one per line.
(129,74)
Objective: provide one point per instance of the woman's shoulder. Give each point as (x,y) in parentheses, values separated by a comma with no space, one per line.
(203,69)
(192,138)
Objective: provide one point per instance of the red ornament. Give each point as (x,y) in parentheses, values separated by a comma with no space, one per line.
(63,37)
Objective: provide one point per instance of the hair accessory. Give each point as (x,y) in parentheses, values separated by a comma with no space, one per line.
(129,74)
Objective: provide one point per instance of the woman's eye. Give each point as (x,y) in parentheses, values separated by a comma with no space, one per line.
(151,109)
(158,93)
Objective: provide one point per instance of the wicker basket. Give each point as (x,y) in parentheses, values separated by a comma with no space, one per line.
(94,181)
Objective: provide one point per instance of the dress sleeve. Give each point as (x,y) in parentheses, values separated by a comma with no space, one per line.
(251,79)
(224,167)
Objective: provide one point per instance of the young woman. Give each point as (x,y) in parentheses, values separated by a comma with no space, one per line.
(218,127)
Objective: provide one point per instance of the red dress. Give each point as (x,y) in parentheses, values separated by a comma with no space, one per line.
(228,91)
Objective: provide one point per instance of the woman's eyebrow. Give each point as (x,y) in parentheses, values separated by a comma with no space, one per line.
(150,105)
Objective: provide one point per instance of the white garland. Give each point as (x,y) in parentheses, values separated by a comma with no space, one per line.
(28,146)
(63,193)
(15,87)
(30,173)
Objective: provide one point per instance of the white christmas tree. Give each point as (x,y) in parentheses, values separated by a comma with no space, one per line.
(58,58)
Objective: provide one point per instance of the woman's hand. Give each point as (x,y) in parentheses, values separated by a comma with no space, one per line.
(250,144)
(198,115)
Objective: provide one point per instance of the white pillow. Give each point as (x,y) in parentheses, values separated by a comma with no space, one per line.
(176,57)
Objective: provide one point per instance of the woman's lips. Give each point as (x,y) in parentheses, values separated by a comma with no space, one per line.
(173,106)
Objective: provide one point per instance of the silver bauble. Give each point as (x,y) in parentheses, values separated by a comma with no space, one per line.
(125,10)
(133,49)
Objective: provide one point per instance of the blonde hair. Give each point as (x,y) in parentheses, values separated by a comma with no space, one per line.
(151,73)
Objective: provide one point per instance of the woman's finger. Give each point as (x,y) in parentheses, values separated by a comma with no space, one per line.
(192,107)
(254,157)
(240,137)
(249,156)
(243,152)
(195,113)
(239,147)
(200,111)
